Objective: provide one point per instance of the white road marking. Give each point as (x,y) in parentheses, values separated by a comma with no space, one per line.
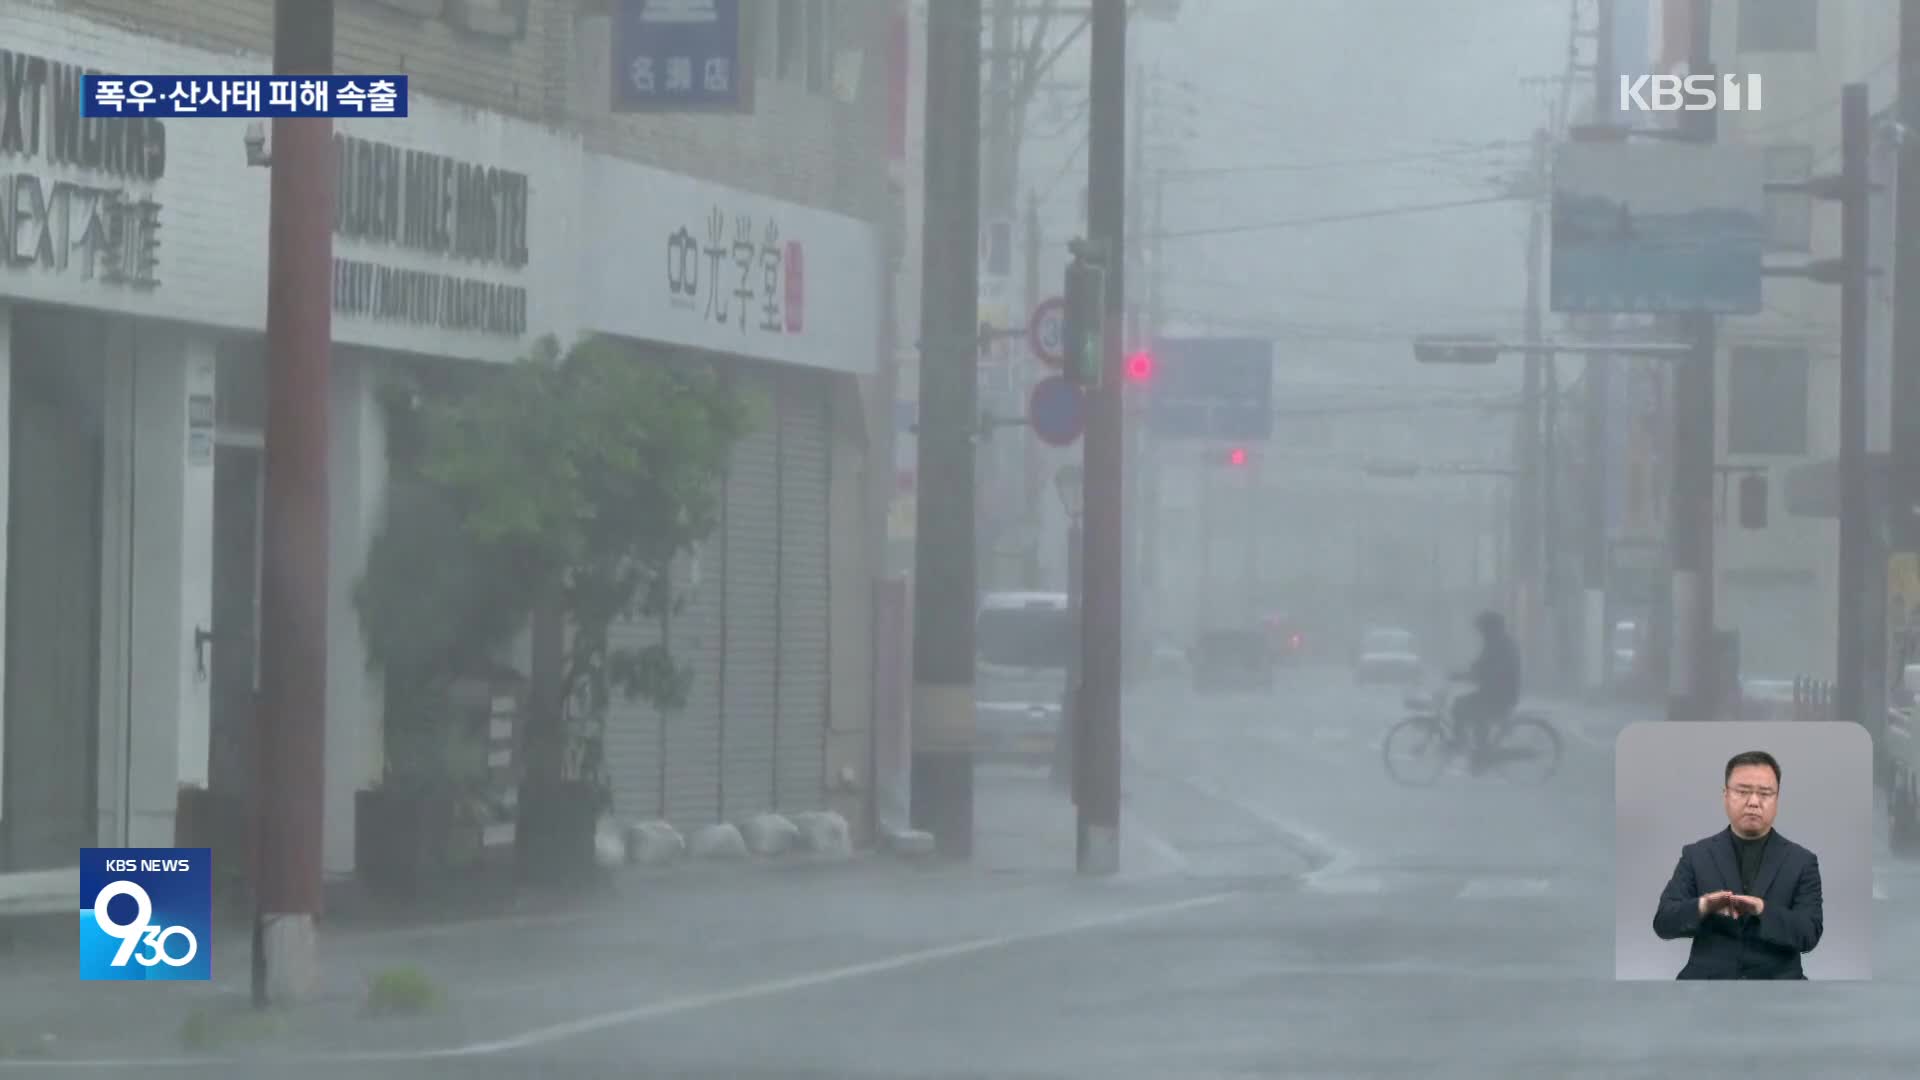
(1347,886)
(1503,888)
(604,1021)
(1162,848)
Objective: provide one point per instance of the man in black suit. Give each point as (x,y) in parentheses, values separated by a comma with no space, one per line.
(1747,896)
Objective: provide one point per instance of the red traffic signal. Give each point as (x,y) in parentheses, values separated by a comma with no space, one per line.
(1237,456)
(1140,367)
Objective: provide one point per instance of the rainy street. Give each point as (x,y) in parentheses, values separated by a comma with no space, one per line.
(1284,909)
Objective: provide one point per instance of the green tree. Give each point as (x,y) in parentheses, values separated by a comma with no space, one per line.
(556,492)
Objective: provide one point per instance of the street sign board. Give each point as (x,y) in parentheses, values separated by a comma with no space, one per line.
(1057,411)
(1047,331)
(1217,389)
(1657,228)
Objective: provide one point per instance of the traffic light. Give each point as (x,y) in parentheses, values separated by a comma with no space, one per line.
(1140,368)
(1086,320)
(1237,456)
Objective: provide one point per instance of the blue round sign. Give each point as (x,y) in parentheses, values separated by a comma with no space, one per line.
(1057,411)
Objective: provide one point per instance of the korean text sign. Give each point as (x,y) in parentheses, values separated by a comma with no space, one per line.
(146,914)
(185,96)
(679,55)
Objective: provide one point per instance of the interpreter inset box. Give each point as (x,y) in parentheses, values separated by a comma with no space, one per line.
(1743,850)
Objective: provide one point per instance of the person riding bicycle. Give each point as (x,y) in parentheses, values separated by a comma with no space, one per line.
(1495,675)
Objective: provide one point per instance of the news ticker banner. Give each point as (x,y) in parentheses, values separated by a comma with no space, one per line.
(146,914)
(259,96)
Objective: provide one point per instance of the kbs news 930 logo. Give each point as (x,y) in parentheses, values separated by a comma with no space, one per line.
(146,913)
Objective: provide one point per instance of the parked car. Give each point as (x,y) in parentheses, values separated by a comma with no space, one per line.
(1226,660)
(1023,644)
(1387,657)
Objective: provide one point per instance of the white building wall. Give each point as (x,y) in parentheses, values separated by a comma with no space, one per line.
(1789,630)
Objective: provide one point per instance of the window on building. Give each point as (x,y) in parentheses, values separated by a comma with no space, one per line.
(819,46)
(791,40)
(1778,26)
(1767,400)
(1789,213)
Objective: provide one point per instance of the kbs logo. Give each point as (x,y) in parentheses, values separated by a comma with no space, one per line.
(146,914)
(1689,93)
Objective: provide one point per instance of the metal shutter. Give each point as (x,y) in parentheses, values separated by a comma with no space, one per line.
(633,747)
(805,456)
(693,745)
(752,538)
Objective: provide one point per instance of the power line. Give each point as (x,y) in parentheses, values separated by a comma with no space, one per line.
(1351,163)
(1333,219)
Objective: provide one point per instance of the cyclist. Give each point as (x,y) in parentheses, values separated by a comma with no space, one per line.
(1495,675)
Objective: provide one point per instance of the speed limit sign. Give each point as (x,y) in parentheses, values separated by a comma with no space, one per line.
(1047,331)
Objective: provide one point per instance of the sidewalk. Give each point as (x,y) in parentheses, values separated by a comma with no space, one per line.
(666,935)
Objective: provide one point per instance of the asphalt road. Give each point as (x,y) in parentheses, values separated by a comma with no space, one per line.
(1286,911)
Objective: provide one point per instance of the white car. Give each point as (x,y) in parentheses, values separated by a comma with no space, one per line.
(1387,658)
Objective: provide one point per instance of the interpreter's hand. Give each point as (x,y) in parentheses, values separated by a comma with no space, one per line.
(1749,905)
(1717,903)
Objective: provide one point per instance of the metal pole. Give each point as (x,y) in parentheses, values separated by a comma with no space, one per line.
(293,582)
(1850,667)
(1598,369)
(1030,446)
(944,568)
(1691,690)
(1903,481)
(1553,581)
(1148,461)
(1102,605)
(1527,509)
(1135,403)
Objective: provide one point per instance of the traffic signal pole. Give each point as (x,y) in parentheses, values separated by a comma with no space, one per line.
(944,574)
(1691,689)
(290,790)
(1103,546)
(1851,666)
(1596,655)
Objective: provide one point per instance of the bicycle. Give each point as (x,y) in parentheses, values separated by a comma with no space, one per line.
(1431,737)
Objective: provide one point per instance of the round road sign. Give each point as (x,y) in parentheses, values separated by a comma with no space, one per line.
(1047,331)
(1056,411)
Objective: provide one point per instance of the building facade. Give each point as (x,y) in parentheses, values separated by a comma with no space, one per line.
(133,310)
(1779,371)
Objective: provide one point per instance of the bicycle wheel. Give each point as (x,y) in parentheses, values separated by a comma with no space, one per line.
(1416,751)
(1528,751)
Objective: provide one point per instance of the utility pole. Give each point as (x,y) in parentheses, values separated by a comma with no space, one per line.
(1148,461)
(1552,536)
(1692,686)
(1903,486)
(1103,556)
(1593,549)
(944,567)
(291,789)
(1135,402)
(1856,510)
(1527,502)
(1031,460)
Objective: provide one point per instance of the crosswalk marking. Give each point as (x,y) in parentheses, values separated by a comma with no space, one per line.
(1471,888)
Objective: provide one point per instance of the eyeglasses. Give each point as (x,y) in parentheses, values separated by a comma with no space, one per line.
(1747,794)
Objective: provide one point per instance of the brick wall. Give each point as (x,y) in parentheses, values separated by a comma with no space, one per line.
(798,145)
